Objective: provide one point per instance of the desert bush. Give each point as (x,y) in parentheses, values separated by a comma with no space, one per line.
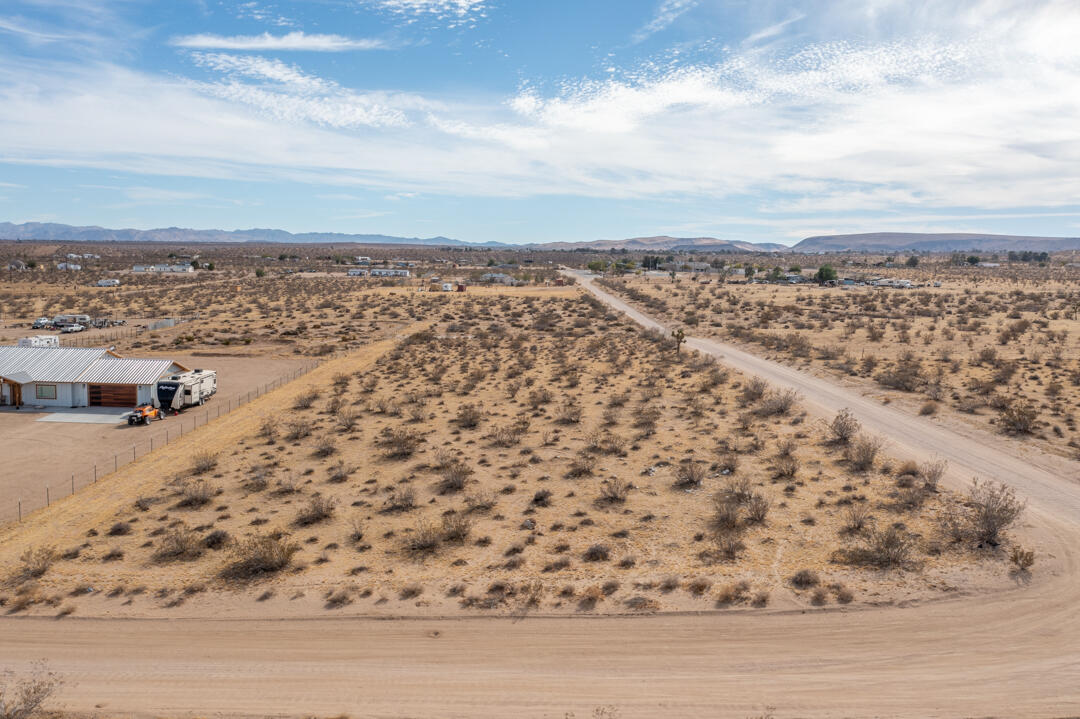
(582,465)
(399,443)
(994,508)
(216,539)
(569,412)
(862,452)
(23,698)
(854,518)
(737,490)
(259,555)
(35,561)
(325,446)
(754,389)
(597,553)
(689,474)
(757,509)
(305,400)
(204,462)
(424,539)
(1018,417)
(1022,559)
(268,429)
(400,500)
(726,513)
(347,418)
(539,397)
(195,494)
(469,416)
(180,544)
(454,478)
(298,429)
(356,529)
(843,427)
(480,501)
(932,472)
(614,491)
(884,548)
(805,578)
(777,403)
(318,508)
(456,528)
(786,466)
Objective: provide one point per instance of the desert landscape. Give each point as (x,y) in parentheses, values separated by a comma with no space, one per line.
(504,452)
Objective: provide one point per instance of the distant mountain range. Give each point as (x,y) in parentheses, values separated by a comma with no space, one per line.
(942,242)
(179,235)
(871,242)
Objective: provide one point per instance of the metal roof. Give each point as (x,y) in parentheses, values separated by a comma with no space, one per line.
(114,370)
(79,364)
(47,364)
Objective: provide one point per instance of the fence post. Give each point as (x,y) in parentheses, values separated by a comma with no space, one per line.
(132,453)
(95,474)
(73,484)
(115,463)
(47,502)
(20,510)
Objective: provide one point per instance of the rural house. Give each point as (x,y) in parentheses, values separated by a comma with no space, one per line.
(77,377)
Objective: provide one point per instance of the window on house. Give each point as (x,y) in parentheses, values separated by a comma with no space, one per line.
(45,391)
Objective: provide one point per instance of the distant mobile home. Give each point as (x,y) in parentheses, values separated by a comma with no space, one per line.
(357,273)
(381,272)
(108,283)
(163,268)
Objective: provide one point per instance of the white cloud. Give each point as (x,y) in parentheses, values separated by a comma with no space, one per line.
(909,124)
(456,13)
(668,12)
(290,41)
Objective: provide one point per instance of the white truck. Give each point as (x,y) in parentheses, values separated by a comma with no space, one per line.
(187,389)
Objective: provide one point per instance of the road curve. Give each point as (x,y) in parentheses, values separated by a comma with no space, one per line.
(1013,653)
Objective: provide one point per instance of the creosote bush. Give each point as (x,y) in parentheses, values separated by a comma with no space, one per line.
(259,555)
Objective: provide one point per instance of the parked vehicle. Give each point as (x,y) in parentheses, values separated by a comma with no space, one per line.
(41,323)
(144,414)
(68,329)
(187,389)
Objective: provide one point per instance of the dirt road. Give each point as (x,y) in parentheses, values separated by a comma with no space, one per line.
(1014,653)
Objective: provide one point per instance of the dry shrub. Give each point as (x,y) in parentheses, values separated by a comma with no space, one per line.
(399,443)
(469,416)
(932,472)
(268,429)
(1019,417)
(325,446)
(994,508)
(581,465)
(805,578)
(1022,559)
(456,528)
(753,390)
(424,539)
(178,545)
(339,472)
(23,698)
(318,508)
(885,548)
(597,553)
(35,561)
(854,518)
(569,412)
(757,509)
(614,491)
(400,500)
(195,494)
(843,427)
(862,452)
(259,555)
(298,429)
(689,475)
(454,477)
(305,400)
(480,501)
(347,418)
(204,463)
(778,403)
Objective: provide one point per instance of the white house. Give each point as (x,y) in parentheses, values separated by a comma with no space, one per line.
(357,273)
(40,341)
(108,283)
(78,377)
(360,260)
(384,272)
(162,268)
(68,266)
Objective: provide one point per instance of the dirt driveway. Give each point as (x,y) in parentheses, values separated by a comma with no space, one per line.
(57,454)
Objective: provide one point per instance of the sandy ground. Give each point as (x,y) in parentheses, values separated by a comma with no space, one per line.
(40,454)
(1010,653)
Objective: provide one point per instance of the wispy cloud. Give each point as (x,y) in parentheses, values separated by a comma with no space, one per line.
(668,12)
(290,41)
(455,12)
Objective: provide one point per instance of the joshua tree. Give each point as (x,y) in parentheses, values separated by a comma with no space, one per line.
(679,337)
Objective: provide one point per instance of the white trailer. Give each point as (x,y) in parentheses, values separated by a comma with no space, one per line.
(187,389)
(39,341)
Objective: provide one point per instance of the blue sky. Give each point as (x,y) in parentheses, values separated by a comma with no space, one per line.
(521,121)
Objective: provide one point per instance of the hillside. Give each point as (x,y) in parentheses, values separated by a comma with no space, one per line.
(939,242)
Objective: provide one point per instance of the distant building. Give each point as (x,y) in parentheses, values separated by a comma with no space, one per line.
(163,268)
(108,283)
(989,264)
(497,278)
(71,266)
(17,265)
(357,273)
(362,260)
(384,272)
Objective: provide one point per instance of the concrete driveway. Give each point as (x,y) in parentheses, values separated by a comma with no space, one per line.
(87,415)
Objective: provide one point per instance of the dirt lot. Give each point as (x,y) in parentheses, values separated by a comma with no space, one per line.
(40,454)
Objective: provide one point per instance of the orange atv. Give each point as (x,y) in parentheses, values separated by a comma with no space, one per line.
(144,414)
